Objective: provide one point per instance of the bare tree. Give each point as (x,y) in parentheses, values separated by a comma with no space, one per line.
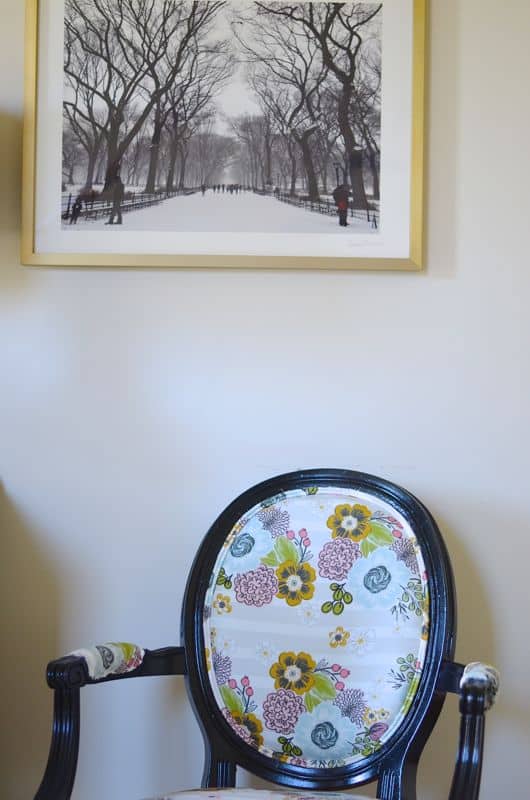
(142,47)
(337,29)
(287,75)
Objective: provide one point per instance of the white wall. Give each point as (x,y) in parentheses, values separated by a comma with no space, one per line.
(136,404)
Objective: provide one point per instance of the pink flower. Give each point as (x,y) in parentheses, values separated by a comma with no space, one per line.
(344,673)
(245,681)
(281,710)
(377,730)
(335,667)
(337,558)
(290,534)
(302,533)
(249,691)
(257,587)
(307,541)
(397,533)
(339,686)
(232,683)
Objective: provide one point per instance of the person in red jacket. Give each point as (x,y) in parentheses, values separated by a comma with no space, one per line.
(340,196)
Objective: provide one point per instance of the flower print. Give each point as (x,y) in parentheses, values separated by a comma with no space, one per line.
(257,587)
(324,734)
(222,604)
(370,717)
(350,522)
(377,581)
(352,704)
(208,658)
(222,667)
(405,550)
(362,641)
(246,551)
(295,582)
(275,520)
(247,726)
(281,710)
(337,557)
(293,671)
(309,613)
(377,730)
(339,637)
(266,651)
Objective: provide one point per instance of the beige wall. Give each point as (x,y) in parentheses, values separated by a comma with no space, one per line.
(134,405)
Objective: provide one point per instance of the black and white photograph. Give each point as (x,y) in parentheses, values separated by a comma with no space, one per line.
(245,127)
(213,116)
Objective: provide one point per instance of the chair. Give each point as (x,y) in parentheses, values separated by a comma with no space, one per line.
(318,632)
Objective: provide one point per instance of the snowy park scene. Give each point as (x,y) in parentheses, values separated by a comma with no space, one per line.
(222,117)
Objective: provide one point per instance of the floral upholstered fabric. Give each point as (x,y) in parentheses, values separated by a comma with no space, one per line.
(316,624)
(111,658)
(256,794)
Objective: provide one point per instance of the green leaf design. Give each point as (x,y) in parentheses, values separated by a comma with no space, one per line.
(231,700)
(271,559)
(311,700)
(286,550)
(367,547)
(379,534)
(327,606)
(323,687)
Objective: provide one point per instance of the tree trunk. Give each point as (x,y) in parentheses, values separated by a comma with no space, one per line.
(312,183)
(91,167)
(113,163)
(353,155)
(173,150)
(182,172)
(150,185)
(292,156)
(374,169)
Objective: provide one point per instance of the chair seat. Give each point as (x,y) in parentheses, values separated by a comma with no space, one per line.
(255,794)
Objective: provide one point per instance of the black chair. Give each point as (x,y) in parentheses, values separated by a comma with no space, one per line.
(318,632)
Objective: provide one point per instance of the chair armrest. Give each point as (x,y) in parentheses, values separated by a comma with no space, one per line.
(112,661)
(479,685)
(81,668)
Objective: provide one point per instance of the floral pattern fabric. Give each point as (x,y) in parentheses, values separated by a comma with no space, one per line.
(256,794)
(111,658)
(315,625)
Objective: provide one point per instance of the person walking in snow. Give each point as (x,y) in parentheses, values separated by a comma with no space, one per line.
(340,196)
(76,210)
(117,194)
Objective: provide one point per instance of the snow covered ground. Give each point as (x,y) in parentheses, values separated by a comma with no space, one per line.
(242,213)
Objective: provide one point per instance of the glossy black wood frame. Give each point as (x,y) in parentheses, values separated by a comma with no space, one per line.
(393,767)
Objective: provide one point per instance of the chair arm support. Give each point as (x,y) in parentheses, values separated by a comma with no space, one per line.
(66,676)
(478,687)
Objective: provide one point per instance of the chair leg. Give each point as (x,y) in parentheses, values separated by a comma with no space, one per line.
(58,780)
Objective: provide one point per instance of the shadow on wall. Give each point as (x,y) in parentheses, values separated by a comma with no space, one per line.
(12,275)
(29,635)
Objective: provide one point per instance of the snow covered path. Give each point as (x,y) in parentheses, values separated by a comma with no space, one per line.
(230,213)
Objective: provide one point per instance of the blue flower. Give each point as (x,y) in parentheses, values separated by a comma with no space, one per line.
(245,552)
(324,734)
(378,580)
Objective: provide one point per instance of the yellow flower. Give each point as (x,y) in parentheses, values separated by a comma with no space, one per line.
(295,582)
(293,671)
(370,716)
(207,654)
(252,724)
(339,637)
(222,604)
(350,522)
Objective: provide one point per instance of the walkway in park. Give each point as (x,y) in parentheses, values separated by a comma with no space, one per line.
(245,212)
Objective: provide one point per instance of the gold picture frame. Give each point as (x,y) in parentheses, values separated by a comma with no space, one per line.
(33,255)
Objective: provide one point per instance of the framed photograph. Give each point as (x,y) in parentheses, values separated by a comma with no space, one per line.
(181,133)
